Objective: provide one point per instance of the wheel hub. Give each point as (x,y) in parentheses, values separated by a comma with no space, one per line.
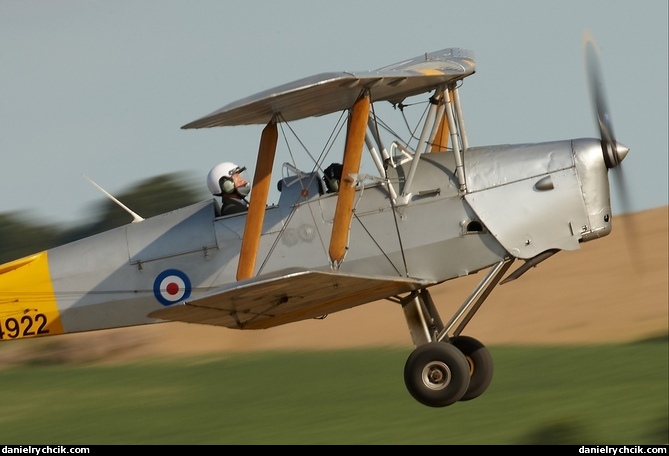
(436,375)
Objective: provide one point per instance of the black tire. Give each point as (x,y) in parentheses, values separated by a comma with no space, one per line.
(437,374)
(480,365)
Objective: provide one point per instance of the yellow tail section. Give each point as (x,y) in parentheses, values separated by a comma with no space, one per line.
(28,306)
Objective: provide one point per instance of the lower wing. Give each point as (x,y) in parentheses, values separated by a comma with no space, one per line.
(285,297)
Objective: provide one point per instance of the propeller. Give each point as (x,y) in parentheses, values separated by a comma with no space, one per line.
(613,151)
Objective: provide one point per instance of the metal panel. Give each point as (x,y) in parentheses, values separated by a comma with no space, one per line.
(501,165)
(178,232)
(538,220)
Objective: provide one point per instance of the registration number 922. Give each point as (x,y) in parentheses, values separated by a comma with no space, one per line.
(24,326)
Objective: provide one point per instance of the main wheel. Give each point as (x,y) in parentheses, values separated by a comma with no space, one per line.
(480,365)
(437,374)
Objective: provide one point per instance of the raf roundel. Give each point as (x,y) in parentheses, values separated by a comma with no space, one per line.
(171,286)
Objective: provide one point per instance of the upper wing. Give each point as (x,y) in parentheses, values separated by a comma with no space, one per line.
(331,92)
(287,296)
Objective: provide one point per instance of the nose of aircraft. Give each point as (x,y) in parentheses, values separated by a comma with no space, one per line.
(613,157)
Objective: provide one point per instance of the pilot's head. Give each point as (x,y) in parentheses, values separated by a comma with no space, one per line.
(332,176)
(228,179)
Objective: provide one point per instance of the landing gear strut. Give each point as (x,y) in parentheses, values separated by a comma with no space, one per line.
(444,369)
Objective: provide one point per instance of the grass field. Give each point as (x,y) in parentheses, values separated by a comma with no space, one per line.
(602,394)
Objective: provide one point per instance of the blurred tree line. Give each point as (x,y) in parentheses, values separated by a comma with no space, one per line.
(21,235)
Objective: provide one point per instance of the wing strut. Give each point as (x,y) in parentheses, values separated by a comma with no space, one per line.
(455,96)
(420,148)
(439,139)
(457,152)
(355,140)
(258,203)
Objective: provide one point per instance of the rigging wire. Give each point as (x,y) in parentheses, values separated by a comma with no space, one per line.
(318,166)
(392,206)
(334,134)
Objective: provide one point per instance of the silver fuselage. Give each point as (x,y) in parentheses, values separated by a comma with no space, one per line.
(520,201)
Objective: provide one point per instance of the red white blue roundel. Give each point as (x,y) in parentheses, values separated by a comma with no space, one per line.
(171,286)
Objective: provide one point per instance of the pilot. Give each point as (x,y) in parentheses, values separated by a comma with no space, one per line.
(332,177)
(228,181)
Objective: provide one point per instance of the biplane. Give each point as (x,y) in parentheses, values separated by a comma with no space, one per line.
(433,208)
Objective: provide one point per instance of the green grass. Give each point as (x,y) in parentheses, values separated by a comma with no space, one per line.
(610,394)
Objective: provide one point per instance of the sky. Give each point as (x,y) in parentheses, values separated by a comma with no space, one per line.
(101,88)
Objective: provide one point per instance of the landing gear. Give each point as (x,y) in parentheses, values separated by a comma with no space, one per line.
(480,365)
(437,374)
(446,369)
